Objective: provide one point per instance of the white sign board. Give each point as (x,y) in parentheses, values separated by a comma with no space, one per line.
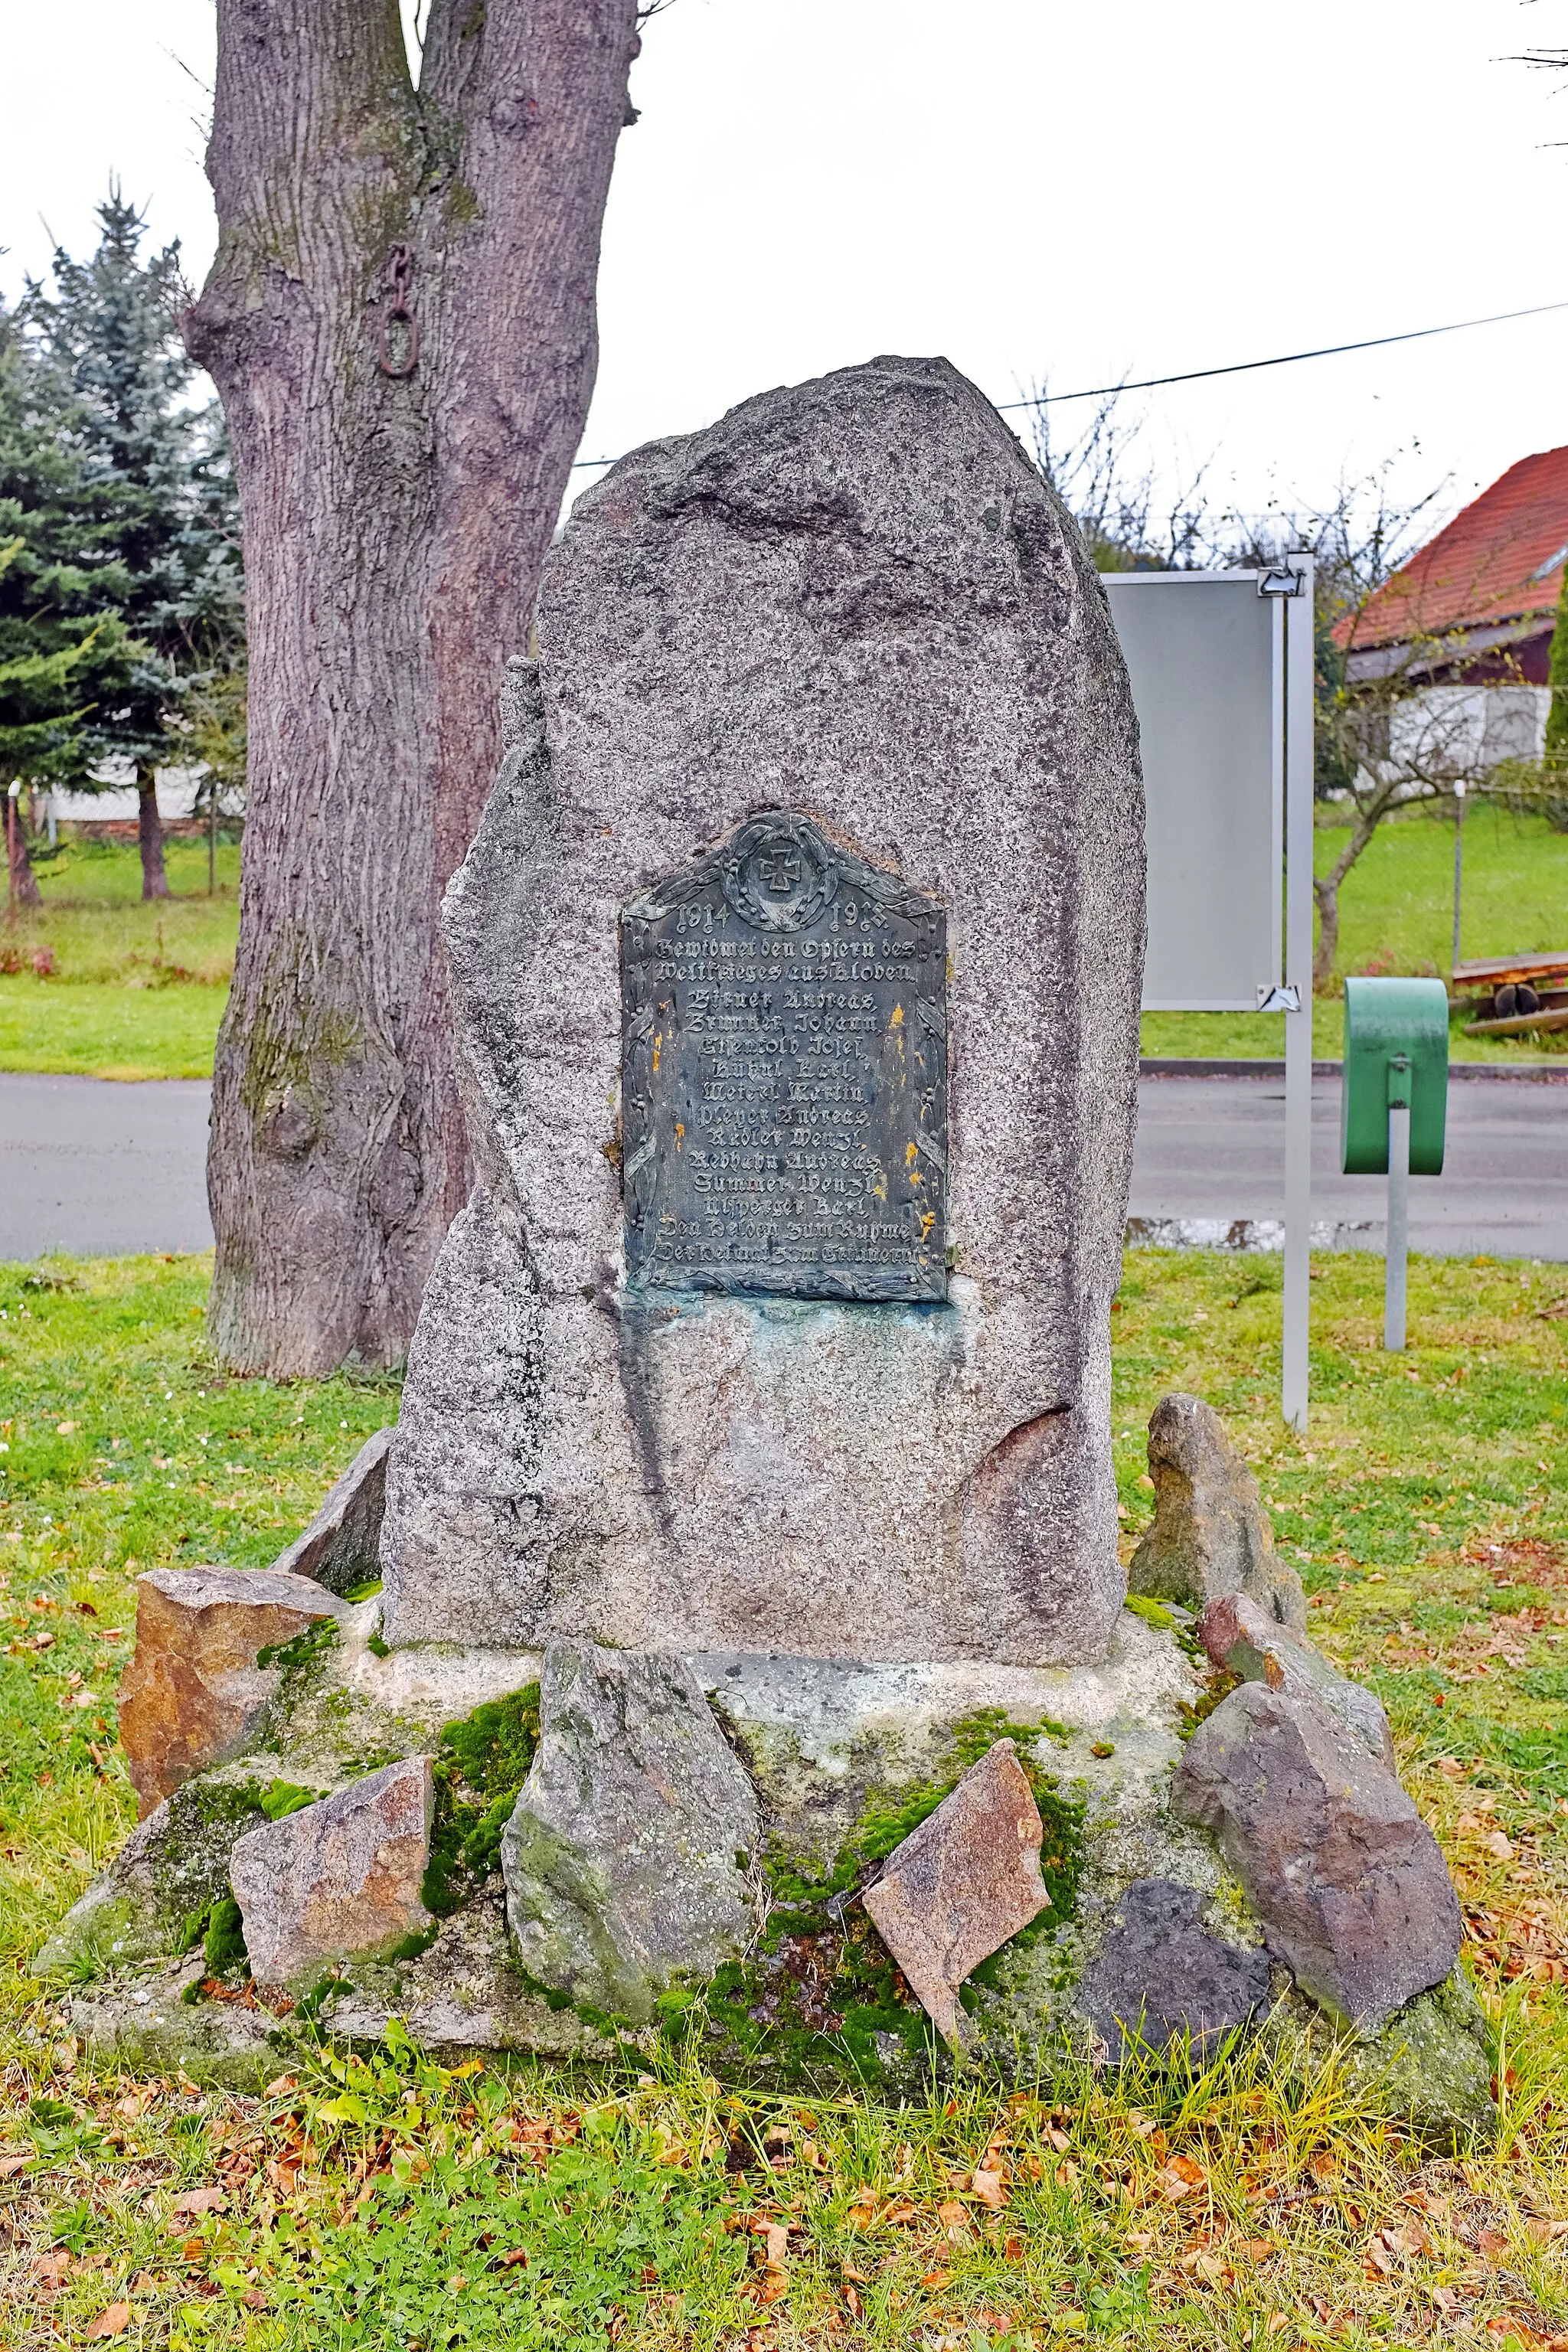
(1205,656)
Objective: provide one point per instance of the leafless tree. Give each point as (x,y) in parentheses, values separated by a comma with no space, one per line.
(401,323)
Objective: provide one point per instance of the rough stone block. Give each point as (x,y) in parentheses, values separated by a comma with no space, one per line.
(853,602)
(1160,1976)
(341,1545)
(1348,1880)
(193,1692)
(1210,1534)
(1237,1632)
(339,1880)
(145,1905)
(962,1885)
(626,1858)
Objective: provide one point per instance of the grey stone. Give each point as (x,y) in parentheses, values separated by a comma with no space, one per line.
(1239,1634)
(1211,1533)
(341,1545)
(854,599)
(1162,1977)
(1348,1880)
(962,1885)
(625,1859)
(340,1878)
(146,1902)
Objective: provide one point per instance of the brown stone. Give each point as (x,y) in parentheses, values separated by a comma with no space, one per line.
(1211,1533)
(193,1692)
(962,1885)
(340,1880)
(341,1547)
(1238,1633)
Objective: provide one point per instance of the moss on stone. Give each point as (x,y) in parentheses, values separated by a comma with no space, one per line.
(479,1769)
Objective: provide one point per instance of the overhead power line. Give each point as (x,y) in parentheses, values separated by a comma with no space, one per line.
(1236,367)
(1285,359)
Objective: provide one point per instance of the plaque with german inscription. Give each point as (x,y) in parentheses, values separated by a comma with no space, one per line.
(784,1073)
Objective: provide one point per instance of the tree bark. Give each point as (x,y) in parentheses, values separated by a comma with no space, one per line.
(24,881)
(399,484)
(150,833)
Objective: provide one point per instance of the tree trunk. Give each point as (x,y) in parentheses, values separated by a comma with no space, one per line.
(399,483)
(24,881)
(150,833)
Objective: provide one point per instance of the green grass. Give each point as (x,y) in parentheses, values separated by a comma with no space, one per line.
(380,2203)
(136,991)
(1396,915)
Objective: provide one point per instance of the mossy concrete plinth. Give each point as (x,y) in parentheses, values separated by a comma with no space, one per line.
(847,1759)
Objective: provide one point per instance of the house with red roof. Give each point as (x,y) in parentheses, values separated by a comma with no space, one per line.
(1466,623)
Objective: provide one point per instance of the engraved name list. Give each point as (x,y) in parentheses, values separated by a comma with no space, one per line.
(784,1073)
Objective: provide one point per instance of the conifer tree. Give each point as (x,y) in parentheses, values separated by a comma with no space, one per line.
(166,513)
(63,647)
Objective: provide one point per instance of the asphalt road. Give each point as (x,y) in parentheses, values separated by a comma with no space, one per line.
(96,1168)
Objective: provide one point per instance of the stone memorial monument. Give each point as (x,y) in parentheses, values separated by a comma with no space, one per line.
(750,1630)
(796,969)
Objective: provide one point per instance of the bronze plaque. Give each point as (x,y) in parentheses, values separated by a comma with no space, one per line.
(784,1073)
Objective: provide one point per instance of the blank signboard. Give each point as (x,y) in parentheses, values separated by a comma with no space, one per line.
(1204,657)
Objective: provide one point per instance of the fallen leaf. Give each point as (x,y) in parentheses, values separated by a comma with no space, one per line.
(954,2219)
(52,2270)
(990,2188)
(936,2279)
(1013,2249)
(12,2164)
(510,2259)
(199,2201)
(1257,2250)
(113,2321)
(776,2234)
(1180,2177)
(1140,2239)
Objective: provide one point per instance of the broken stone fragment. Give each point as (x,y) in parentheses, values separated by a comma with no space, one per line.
(1240,1634)
(1210,1534)
(1348,1880)
(340,1880)
(341,1547)
(627,1855)
(1160,1976)
(146,1902)
(962,1885)
(193,1692)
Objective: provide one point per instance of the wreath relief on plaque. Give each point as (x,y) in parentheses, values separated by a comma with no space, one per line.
(784,1073)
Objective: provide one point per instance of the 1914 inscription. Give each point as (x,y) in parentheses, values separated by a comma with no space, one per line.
(783,1072)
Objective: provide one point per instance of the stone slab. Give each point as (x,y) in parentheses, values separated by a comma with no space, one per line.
(854,601)
(962,1885)
(341,1545)
(192,1694)
(1162,1977)
(1348,1880)
(1239,1634)
(626,1860)
(1210,1534)
(339,1879)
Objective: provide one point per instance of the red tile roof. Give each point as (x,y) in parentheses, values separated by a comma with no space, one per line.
(1498,561)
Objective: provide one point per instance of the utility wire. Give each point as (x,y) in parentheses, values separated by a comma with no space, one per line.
(1238,367)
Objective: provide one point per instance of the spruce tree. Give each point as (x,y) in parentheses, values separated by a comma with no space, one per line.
(63,649)
(166,513)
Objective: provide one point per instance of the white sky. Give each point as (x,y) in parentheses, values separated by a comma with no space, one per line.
(1030,186)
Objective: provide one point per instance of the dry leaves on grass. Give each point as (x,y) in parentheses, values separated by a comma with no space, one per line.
(114,2321)
(1180,2177)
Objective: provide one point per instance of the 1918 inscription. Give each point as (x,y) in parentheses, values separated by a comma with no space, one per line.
(784,1068)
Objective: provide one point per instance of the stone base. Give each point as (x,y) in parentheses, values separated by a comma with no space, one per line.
(845,1757)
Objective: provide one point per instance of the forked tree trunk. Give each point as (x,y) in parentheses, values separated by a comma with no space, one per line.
(150,833)
(399,483)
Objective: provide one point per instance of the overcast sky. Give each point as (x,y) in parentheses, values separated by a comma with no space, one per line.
(1035,189)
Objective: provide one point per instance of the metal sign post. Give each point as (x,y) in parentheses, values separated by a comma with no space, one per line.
(1221,669)
(1396,1238)
(1295,586)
